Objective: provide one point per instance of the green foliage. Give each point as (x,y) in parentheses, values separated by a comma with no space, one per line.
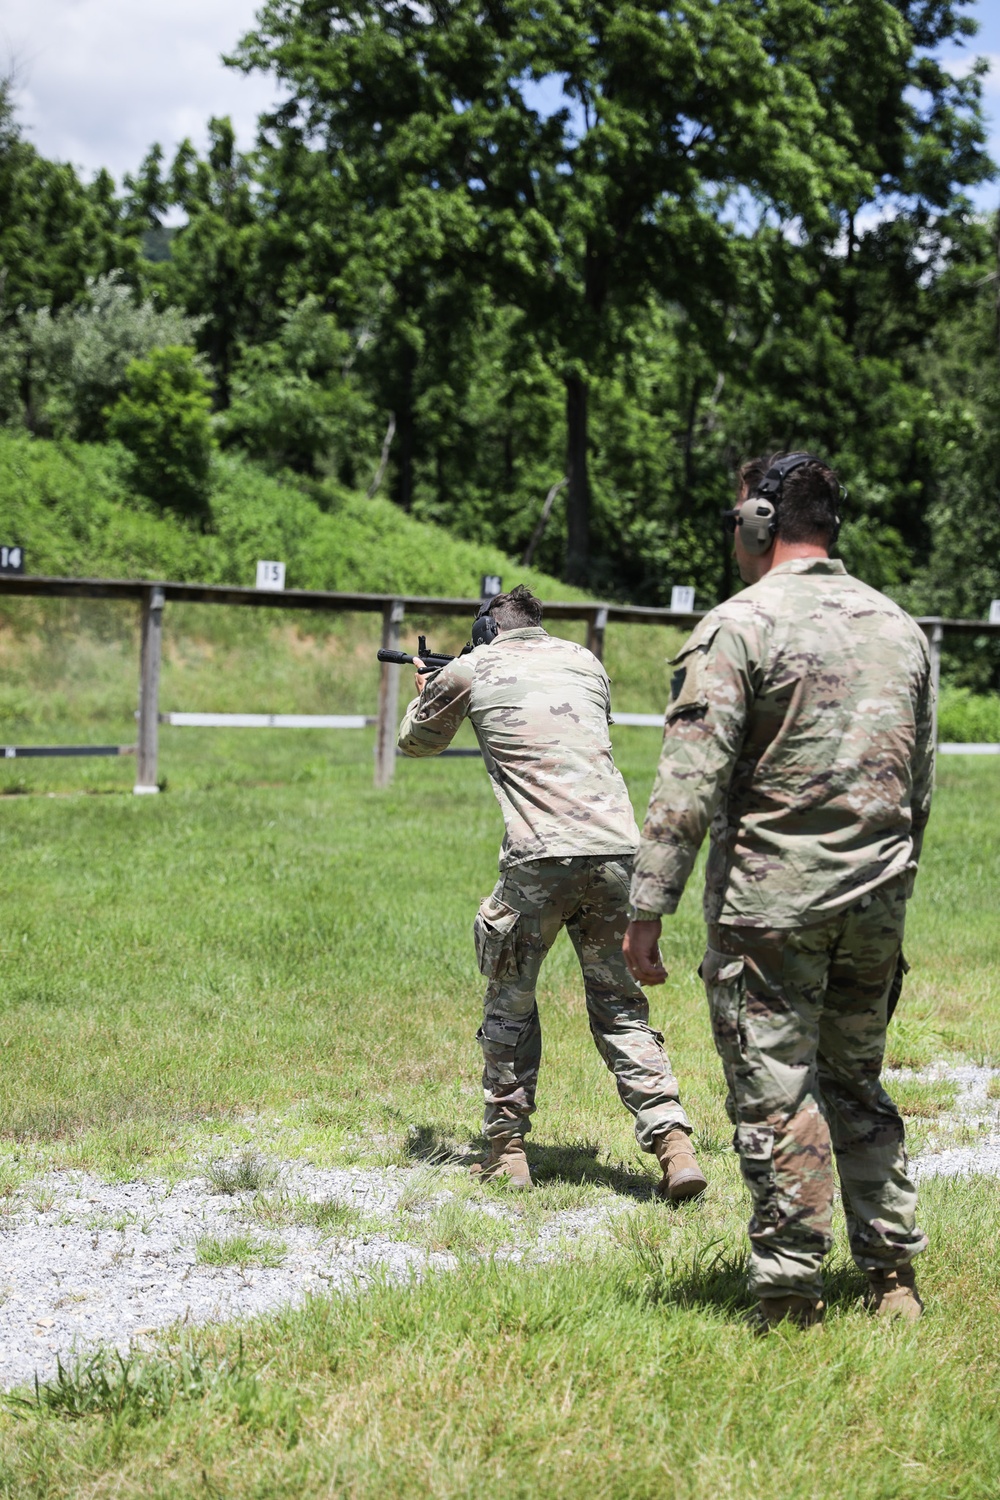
(294,403)
(239,1250)
(72,506)
(163,417)
(968,718)
(583,219)
(132,1389)
(71,365)
(55,233)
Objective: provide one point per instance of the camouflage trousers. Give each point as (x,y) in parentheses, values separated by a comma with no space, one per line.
(514,929)
(799,1021)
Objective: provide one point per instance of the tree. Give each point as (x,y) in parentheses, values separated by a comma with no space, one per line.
(164,419)
(294,402)
(581,212)
(55,233)
(209,265)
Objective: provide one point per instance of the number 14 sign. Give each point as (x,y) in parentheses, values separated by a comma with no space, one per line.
(11,559)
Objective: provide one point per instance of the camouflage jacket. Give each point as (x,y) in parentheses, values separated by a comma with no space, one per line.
(540,708)
(800,727)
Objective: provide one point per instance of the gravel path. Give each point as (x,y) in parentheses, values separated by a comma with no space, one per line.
(87,1262)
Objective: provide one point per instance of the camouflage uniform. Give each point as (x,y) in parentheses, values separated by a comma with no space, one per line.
(800,728)
(540,708)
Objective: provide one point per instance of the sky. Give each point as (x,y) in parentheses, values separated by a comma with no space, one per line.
(98,81)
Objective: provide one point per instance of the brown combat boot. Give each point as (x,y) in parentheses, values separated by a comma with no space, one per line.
(682,1176)
(506,1159)
(893,1294)
(803,1312)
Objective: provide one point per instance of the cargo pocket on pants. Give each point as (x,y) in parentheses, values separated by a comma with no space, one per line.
(896,988)
(495,935)
(726,991)
(755,1146)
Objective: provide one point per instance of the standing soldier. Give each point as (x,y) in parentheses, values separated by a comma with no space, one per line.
(800,728)
(540,708)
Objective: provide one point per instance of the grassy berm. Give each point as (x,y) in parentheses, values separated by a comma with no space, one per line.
(272,955)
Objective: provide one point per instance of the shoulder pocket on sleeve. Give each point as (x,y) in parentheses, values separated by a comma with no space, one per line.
(688,681)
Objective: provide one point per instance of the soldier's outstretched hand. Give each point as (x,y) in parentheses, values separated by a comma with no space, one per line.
(641,947)
(422,675)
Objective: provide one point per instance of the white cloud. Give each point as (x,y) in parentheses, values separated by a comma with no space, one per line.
(98,81)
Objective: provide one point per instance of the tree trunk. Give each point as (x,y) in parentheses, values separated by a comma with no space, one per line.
(404,430)
(578,493)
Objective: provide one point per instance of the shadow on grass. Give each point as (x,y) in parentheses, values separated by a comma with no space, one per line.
(713,1275)
(576,1162)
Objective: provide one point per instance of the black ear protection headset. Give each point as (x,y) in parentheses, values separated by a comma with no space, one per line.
(757,516)
(485,628)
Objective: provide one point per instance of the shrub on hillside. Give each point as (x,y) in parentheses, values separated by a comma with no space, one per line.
(164,419)
(73,364)
(74,508)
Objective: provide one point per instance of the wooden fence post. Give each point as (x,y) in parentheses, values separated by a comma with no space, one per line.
(936,637)
(596,627)
(387,725)
(149,691)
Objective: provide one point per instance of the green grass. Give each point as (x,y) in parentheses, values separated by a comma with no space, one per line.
(273,961)
(71,507)
(250,1173)
(239,1250)
(922,1100)
(624,1375)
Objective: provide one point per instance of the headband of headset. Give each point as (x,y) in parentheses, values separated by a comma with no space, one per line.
(757,516)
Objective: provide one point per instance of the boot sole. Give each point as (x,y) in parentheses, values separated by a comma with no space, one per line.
(687,1185)
(690,1184)
(479,1175)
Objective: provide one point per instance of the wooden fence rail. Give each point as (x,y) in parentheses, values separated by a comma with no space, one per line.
(153,597)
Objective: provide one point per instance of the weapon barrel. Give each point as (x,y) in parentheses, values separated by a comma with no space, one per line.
(432,661)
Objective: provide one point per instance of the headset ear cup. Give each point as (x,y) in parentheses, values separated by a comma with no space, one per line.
(484,629)
(758,525)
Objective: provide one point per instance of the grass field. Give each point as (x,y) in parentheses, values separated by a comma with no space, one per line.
(274,956)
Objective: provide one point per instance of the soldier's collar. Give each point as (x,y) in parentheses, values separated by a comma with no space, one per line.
(522,633)
(809,565)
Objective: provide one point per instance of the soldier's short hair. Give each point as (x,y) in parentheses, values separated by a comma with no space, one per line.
(810,497)
(809,502)
(518,608)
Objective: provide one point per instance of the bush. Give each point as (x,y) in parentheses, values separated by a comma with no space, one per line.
(78,358)
(968,718)
(164,419)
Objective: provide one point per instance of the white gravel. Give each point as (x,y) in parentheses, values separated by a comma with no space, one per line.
(974,1111)
(88,1263)
(85,1262)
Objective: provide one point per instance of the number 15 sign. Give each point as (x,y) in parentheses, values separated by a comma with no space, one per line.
(271,575)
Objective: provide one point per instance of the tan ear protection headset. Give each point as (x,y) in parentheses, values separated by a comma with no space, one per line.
(757,516)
